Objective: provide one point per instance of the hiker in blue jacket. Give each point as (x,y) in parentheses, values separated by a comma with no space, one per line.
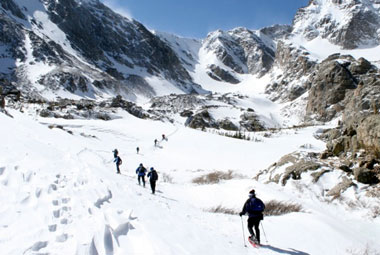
(141,171)
(254,207)
(153,177)
(118,162)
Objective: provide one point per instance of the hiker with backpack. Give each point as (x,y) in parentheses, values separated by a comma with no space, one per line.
(117,160)
(153,177)
(141,171)
(254,207)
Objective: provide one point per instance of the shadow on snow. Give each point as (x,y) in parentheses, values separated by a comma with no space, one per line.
(282,251)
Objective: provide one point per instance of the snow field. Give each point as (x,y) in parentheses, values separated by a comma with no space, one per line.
(61,195)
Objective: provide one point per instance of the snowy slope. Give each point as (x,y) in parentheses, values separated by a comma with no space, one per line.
(60,193)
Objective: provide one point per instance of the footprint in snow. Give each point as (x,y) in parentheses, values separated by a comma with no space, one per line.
(57,213)
(62,238)
(38,192)
(65,200)
(52,187)
(52,228)
(27,177)
(38,246)
(66,208)
(25,200)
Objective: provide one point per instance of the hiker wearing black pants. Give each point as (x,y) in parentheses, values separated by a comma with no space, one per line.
(117,160)
(254,207)
(141,171)
(153,177)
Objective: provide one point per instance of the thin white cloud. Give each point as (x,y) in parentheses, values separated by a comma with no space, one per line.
(116,7)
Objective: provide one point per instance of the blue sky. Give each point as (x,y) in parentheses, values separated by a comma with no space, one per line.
(195,18)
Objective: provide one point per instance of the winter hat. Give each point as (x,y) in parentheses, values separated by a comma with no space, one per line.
(141,164)
(151,168)
(251,193)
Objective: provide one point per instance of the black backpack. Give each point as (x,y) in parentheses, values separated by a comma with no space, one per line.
(154,175)
(255,205)
(142,170)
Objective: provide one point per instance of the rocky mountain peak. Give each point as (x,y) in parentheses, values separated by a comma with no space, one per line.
(240,50)
(350,24)
(85,44)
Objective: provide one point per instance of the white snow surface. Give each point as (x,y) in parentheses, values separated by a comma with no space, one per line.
(60,193)
(320,49)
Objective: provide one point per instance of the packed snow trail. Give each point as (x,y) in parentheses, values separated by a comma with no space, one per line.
(61,195)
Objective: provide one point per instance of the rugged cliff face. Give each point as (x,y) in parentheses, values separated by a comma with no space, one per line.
(51,40)
(243,51)
(350,24)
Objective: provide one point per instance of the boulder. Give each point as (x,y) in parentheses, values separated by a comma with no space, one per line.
(130,107)
(201,120)
(297,169)
(338,189)
(368,134)
(337,146)
(362,66)
(366,176)
(345,169)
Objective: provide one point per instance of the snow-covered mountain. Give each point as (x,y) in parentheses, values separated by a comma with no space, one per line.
(290,110)
(350,23)
(86,49)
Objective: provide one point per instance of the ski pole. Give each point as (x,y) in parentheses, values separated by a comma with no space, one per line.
(242,227)
(262,226)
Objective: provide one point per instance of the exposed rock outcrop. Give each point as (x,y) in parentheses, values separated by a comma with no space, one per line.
(220,74)
(329,87)
(295,64)
(323,18)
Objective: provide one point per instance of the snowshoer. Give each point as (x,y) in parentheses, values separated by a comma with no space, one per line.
(254,207)
(118,162)
(163,137)
(138,150)
(141,171)
(155,142)
(153,177)
(115,153)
